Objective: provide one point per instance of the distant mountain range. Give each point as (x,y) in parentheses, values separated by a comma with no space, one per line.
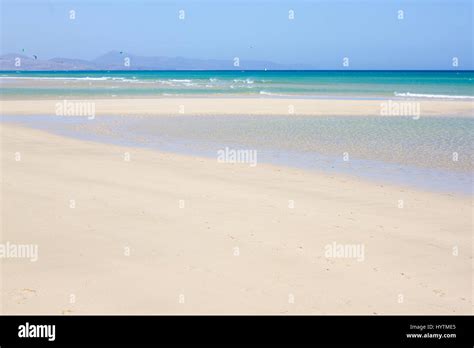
(116,60)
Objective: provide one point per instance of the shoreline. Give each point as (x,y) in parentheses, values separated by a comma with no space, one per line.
(441,180)
(190,251)
(246,106)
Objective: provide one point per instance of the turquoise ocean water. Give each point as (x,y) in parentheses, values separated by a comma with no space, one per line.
(306,84)
(398,150)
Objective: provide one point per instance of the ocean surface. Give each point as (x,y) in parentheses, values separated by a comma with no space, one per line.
(434,154)
(303,84)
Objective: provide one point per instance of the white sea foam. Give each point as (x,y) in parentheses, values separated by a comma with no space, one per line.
(247,81)
(272,94)
(55,78)
(432,96)
(85,78)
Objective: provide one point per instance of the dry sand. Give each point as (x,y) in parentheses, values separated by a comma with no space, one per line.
(242,106)
(189,253)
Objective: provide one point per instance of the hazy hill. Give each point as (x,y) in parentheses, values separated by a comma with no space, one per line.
(115,60)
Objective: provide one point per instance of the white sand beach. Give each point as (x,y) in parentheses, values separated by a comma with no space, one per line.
(243,106)
(167,233)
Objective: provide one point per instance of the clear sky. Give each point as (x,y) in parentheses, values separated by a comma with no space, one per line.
(368,32)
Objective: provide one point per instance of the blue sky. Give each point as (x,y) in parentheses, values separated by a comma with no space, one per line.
(368,32)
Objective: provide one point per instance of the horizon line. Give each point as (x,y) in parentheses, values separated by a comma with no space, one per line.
(244,70)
